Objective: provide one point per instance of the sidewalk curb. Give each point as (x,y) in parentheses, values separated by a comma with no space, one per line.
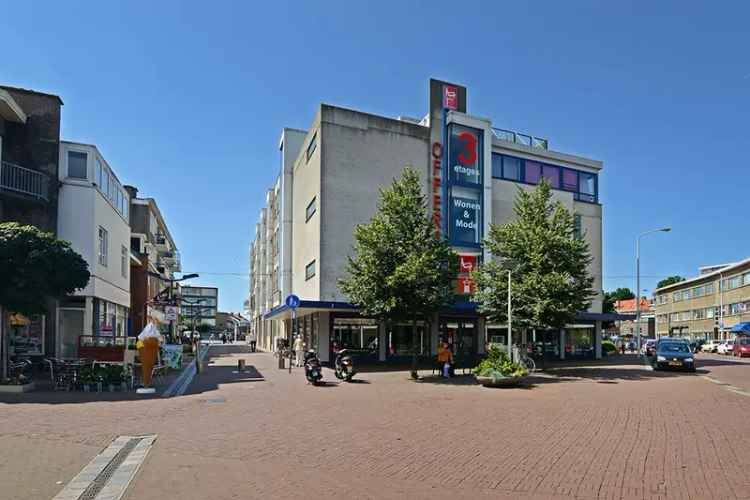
(181,383)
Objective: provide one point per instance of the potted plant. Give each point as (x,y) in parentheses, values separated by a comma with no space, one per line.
(497,370)
(87,378)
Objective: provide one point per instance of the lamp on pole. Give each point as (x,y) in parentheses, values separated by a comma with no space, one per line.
(638,282)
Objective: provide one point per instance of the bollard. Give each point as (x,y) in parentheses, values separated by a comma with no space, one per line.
(240,365)
(281,361)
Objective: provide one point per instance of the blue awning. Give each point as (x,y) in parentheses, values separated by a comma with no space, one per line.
(741,327)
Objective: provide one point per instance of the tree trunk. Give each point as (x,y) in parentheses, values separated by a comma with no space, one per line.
(415,339)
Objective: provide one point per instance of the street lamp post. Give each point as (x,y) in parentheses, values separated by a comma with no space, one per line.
(638,281)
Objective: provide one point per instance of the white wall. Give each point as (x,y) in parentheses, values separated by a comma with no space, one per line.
(82,209)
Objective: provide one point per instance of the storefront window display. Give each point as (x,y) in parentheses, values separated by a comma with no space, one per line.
(26,335)
(579,342)
(360,334)
(401,340)
(460,334)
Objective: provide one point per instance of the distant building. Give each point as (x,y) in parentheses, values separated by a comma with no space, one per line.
(154,253)
(707,306)
(629,328)
(29,158)
(199,304)
(94,217)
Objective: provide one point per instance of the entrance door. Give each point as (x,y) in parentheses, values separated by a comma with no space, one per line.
(461,335)
(71,326)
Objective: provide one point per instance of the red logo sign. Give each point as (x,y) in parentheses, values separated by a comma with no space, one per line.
(466,285)
(450,97)
(467,263)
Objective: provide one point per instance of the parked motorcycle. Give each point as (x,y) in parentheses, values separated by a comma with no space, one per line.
(344,366)
(313,369)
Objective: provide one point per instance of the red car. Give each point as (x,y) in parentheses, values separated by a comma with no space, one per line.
(741,347)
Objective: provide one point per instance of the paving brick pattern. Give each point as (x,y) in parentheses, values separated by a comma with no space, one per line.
(619,432)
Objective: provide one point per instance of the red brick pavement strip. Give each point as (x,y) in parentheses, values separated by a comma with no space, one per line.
(620,432)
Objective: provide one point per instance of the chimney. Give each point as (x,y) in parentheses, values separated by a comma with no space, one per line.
(132,191)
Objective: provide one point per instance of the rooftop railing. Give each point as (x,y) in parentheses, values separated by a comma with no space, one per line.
(518,138)
(23,180)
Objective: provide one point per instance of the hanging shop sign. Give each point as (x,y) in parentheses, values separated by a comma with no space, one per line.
(465,157)
(465,285)
(465,221)
(467,263)
(450,97)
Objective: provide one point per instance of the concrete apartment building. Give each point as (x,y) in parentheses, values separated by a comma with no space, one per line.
(328,182)
(29,158)
(199,303)
(707,306)
(155,259)
(94,217)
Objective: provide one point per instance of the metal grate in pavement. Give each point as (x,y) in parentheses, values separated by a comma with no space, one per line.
(101,480)
(109,473)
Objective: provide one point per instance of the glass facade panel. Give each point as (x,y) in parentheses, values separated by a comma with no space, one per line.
(511,168)
(551,175)
(497,165)
(465,216)
(587,186)
(465,155)
(533,172)
(401,341)
(569,179)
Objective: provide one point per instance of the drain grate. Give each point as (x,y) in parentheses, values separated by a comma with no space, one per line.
(101,480)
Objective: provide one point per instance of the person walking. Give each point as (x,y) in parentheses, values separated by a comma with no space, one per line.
(445,359)
(299,350)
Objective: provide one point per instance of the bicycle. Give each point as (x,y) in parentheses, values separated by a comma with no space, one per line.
(526,361)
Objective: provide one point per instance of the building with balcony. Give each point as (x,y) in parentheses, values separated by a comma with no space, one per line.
(29,158)
(199,305)
(707,306)
(155,259)
(329,180)
(93,215)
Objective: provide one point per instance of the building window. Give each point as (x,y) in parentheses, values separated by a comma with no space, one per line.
(77,165)
(532,172)
(586,186)
(103,246)
(309,270)
(310,210)
(497,165)
(311,147)
(552,175)
(577,227)
(710,289)
(676,296)
(99,173)
(569,180)
(686,294)
(698,292)
(511,168)
(124,262)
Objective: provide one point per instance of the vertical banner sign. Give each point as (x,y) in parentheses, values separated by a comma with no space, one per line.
(450,97)
(465,181)
(437,186)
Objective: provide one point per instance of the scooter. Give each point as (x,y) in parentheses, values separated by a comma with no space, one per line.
(313,370)
(344,366)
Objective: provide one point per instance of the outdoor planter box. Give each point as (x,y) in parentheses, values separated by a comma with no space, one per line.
(17,389)
(502,382)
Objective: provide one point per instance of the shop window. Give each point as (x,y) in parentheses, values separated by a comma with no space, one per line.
(401,341)
(77,165)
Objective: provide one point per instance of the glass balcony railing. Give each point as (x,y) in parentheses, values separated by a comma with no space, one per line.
(23,180)
(518,138)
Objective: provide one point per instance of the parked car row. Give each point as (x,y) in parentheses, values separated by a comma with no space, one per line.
(739,346)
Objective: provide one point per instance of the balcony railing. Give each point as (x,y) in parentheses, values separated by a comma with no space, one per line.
(23,180)
(518,138)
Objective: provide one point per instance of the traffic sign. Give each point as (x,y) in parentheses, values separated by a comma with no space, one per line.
(292,301)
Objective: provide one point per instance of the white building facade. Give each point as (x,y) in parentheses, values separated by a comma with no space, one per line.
(329,181)
(93,216)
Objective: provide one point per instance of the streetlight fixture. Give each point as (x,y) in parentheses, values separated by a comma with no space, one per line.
(638,281)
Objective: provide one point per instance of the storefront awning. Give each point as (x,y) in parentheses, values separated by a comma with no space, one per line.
(283,311)
(741,328)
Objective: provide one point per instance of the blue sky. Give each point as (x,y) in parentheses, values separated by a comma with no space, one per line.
(186,100)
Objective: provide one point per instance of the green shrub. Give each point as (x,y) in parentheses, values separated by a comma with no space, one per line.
(608,346)
(497,365)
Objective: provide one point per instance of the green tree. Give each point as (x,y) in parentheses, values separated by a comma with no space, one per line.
(670,281)
(611,297)
(35,267)
(548,265)
(402,268)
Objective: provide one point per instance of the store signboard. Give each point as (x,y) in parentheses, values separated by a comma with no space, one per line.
(170,313)
(465,285)
(450,97)
(465,155)
(465,221)
(467,263)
